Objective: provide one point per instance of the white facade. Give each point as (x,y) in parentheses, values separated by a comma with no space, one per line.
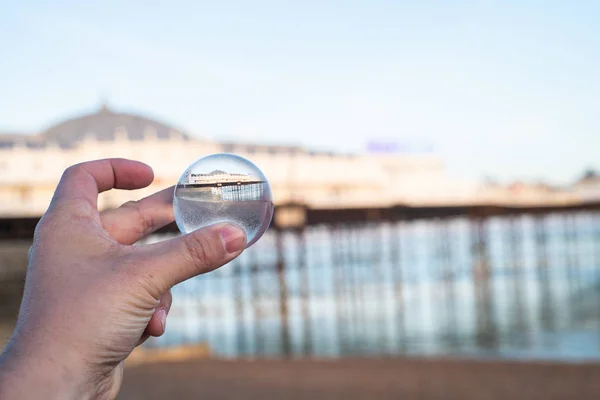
(29,174)
(217,178)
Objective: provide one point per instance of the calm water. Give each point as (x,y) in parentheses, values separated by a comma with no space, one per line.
(516,288)
(203,206)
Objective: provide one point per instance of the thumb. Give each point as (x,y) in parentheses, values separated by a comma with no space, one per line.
(173,261)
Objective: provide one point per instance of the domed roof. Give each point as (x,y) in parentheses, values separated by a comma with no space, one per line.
(106,125)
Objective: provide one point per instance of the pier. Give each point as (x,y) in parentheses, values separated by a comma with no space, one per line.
(226,190)
(378,273)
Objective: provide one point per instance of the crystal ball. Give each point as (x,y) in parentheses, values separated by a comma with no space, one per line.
(223,188)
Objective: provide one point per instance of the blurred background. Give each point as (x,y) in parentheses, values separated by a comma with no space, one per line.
(433,164)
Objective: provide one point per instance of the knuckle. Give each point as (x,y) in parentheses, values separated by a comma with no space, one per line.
(202,250)
(70,170)
(76,174)
(73,170)
(144,220)
(198,248)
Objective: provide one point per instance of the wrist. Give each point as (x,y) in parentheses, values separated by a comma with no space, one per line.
(30,371)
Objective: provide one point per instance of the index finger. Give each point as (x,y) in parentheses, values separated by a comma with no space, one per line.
(83,182)
(136,219)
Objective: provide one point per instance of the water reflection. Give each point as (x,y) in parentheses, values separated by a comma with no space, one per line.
(504,287)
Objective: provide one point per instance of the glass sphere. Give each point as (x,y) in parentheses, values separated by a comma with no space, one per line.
(223,188)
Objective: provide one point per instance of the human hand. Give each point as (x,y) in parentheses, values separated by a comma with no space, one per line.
(90,296)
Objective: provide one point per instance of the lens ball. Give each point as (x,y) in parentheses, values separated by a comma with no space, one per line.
(223,188)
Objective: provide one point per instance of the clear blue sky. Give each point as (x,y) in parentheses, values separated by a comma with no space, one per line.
(506,89)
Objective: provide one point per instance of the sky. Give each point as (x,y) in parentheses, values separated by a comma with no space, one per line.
(499,89)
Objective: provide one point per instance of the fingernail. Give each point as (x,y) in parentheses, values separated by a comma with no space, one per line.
(234,238)
(162,317)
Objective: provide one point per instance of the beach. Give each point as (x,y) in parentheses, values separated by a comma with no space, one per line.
(396,378)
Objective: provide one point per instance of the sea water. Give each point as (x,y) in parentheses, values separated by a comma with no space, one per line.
(197,210)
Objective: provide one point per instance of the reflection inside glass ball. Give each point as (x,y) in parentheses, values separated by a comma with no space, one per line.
(223,188)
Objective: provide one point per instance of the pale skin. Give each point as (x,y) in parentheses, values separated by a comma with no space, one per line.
(91,296)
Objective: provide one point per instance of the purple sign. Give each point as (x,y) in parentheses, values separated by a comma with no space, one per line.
(394,147)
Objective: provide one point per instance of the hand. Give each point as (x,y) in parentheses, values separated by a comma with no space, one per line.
(90,296)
